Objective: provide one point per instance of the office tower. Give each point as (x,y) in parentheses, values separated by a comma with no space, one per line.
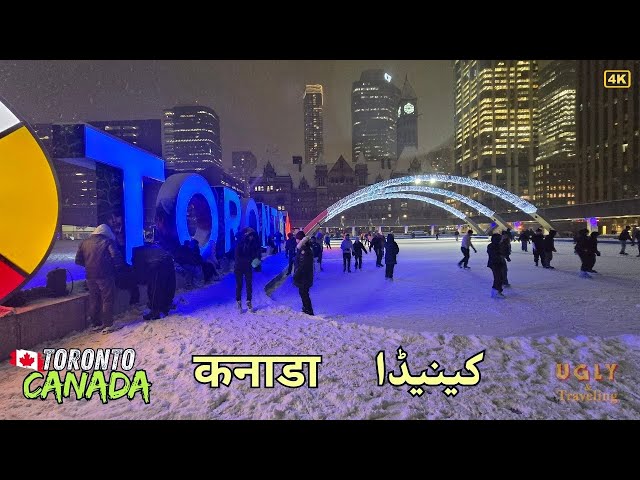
(496,114)
(313,131)
(374,107)
(555,168)
(607,135)
(191,138)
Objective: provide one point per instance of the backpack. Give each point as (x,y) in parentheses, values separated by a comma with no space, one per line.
(57,282)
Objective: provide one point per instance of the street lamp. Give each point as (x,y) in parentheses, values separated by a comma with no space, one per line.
(404,216)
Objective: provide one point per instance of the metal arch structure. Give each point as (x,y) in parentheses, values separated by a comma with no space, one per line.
(373,192)
(324,216)
(482,209)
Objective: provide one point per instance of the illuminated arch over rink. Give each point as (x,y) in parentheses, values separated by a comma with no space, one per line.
(376,191)
(405,196)
(482,209)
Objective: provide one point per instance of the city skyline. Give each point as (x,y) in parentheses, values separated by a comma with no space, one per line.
(76,91)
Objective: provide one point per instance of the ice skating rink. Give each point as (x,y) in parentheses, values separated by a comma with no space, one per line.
(430,293)
(433,309)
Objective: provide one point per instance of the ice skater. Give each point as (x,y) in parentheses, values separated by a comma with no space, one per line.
(466,245)
(495,263)
(637,237)
(505,252)
(583,251)
(624,236)
(549,248)
(346,246)
(358,247)
(538,246)
(391,251)
(377,243)
(593,251)
(316,248)
(327,240)
(524,240)
(290,251)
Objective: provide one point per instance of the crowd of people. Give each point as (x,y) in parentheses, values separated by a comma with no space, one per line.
(102,255)
(305,252)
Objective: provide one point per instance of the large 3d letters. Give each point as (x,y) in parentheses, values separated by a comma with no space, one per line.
(250,214)
(135,164)
(176,194)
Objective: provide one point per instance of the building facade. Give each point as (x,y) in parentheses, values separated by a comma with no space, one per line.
(374,107)
(555,169)
(146,134)
(407,127)
(313,128)
(243,165)
(608,133)
(191,138)
(495,124)
(271,188)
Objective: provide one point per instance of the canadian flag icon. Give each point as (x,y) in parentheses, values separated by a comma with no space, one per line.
(27,359)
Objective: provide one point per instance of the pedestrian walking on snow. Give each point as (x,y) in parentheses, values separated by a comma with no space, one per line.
(303,278)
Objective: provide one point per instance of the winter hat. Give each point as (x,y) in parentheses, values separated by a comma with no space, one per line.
(300,235)
(105,230)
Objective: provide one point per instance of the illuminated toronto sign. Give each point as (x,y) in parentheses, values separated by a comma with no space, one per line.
(216,213)
(29,205)
(28,202)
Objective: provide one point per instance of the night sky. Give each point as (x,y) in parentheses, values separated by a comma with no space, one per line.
(259,102)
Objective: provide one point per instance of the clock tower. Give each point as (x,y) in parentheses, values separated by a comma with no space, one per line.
(407,123)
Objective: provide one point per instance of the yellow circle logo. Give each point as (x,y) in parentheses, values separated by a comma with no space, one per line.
(28,203)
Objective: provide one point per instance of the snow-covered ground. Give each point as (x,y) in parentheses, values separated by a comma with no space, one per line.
(432,309)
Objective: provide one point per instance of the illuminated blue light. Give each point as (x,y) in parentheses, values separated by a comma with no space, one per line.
(250,214)
(231,221)
(263,208)
(135,164)
(194,184)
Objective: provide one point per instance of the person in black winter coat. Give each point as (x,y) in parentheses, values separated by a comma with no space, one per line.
(290,251)
(247,251)
(377,244)
(549,248)
(593,251)
(495,263)
(303,278)
(524,239)
(391,251)
(624,237)
(637,237)
(358,247)
(316,248)
(505,251)
(538,246)
(583,249)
